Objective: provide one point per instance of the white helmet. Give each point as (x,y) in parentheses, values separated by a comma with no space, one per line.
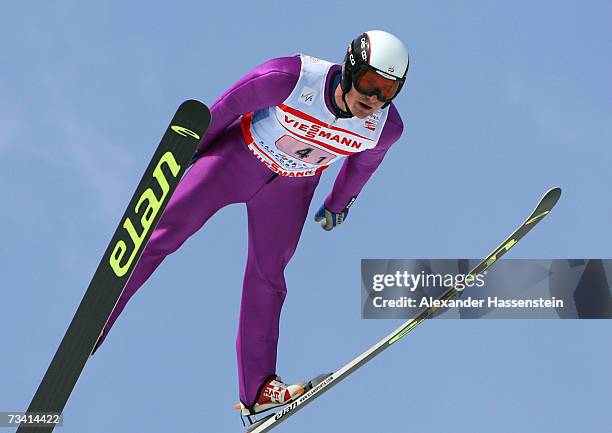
(381,53)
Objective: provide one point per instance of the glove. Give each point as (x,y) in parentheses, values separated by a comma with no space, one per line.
(331,219)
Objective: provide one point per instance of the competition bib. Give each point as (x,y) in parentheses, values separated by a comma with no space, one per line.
(301,137)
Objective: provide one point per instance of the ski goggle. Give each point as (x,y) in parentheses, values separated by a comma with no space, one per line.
(370,82)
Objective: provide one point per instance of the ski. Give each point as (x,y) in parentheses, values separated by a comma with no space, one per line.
(322,383)
(157,185)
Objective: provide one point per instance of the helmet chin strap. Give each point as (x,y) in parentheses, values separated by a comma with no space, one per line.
(345,114)
(339,112)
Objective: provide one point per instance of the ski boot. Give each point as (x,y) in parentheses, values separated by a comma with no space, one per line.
(273,393)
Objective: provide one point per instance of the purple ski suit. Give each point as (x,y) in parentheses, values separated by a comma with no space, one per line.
(226,173)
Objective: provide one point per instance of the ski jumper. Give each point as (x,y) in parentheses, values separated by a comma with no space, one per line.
(271,135)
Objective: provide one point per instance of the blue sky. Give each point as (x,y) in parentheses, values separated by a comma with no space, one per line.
(502,102)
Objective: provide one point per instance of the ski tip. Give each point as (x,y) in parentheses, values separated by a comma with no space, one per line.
(551,197)
(544,206)
(193,103)
(192,118)
(196,106)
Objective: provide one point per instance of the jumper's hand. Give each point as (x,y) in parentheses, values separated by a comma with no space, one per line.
(330,219)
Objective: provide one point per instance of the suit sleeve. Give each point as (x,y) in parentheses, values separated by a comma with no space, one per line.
(358,168)
(265,86)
